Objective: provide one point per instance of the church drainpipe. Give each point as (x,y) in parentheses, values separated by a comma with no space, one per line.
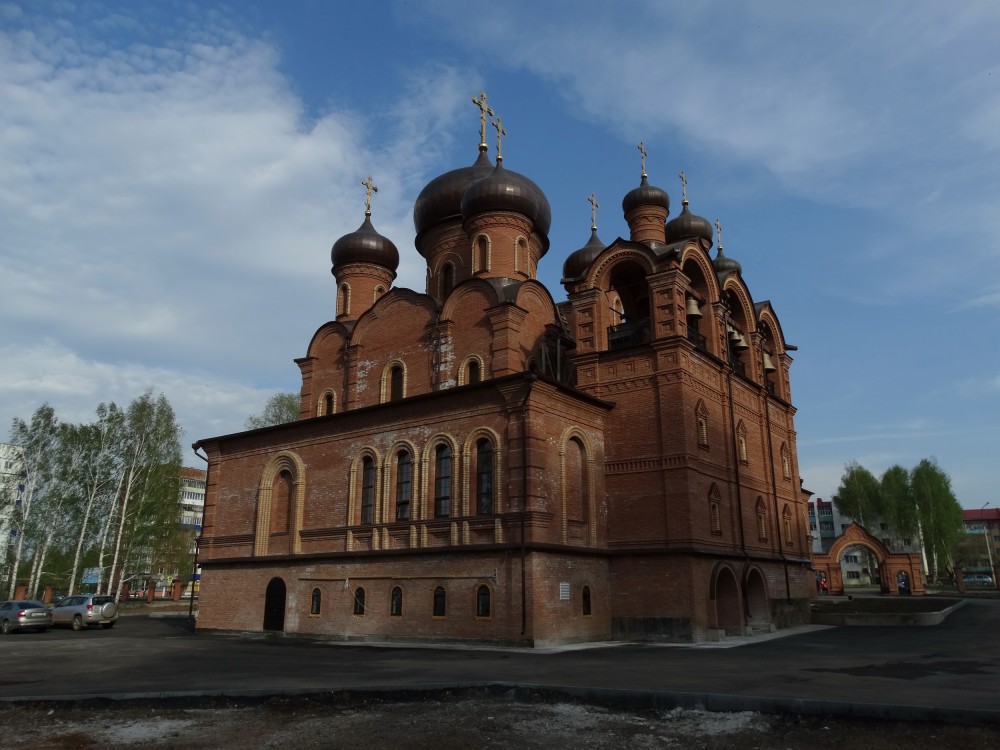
(524,501)
(774,484)
(194,571)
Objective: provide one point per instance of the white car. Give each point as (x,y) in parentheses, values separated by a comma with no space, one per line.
(83,610)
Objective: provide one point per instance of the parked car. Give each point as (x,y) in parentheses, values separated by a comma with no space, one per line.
(24,614)
(83,610)
(978,579)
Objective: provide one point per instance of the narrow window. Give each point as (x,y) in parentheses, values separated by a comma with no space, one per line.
(442,481)
(404,485)
(761,520)
(484,477)
(316,601)
(475,375)
(586,600)
(439,601)
(447,279)
(379,291)
(702,431)
(343,301)
(716,517)
(483,601)
(328,404)
(396,602)
(367,490)
(786,471)
(482,253)
(786,522)
(396,383)
(359,601)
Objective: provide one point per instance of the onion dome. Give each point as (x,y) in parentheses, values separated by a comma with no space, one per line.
(645,195)
(505,190)
(365,246)
(724,265)
(579,261)
(686,226)
(441,198)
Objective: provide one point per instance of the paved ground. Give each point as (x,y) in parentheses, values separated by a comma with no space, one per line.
(948,672)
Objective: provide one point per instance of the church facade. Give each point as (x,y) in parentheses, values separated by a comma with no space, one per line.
(478,462)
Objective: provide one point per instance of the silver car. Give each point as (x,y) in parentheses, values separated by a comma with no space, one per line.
(83,610)
(24,614)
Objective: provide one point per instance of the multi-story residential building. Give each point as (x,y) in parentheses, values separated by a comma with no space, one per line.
(11,488)
(986,523)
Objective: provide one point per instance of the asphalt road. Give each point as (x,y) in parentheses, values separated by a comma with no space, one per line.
(945,671)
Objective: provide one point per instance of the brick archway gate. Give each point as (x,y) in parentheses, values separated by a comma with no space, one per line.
(890,564)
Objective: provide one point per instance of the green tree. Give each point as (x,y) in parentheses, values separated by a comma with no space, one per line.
(939,512)
(279,409)
(897,507)
(859,494)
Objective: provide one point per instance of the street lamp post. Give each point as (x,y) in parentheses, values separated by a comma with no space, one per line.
(986,537)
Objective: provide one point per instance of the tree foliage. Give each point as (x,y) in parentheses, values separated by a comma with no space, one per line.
(102,494)
(279,409)
(858,494)
(914,504)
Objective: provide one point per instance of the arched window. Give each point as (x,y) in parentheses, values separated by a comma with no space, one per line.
(474,373)
(344,300)
(379,291)
(521,261)
(714,510)
(439,602)
(761,520)
(396,383)
(281,502)
(741,443)
(317,598)
(786,467)
(367,490)
(786,524)
(447,279)
(576,480)
(483,601)
(586,600)
(442,481)
(359,601)
(404,485)
(328,403)
(701,415)
(396,602)
(482,258)
(484,477)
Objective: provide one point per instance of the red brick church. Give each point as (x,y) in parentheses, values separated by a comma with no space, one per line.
(480,462)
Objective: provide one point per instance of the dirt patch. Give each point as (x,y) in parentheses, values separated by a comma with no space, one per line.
(461,724)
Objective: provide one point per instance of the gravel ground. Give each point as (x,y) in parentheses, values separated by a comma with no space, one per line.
(462,723)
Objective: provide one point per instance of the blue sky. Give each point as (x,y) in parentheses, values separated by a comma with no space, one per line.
(173,175)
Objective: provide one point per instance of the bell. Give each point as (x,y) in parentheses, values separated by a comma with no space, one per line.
(768,364)
(739,343)
(692,308)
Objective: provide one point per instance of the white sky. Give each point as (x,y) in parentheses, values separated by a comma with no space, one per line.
(173,175)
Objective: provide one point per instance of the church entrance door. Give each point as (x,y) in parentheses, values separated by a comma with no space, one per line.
(274,605)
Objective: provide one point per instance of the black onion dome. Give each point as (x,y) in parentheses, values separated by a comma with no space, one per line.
(687,225)
(505,190)
(724,264)
(365,246)
(579,261)
(441,198)
(645,195)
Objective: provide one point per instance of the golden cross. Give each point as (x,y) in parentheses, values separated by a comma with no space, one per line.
(369,186)
(642,150)
(498,124)
(593,210)
(718,233)
(484,110)
(684,185)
